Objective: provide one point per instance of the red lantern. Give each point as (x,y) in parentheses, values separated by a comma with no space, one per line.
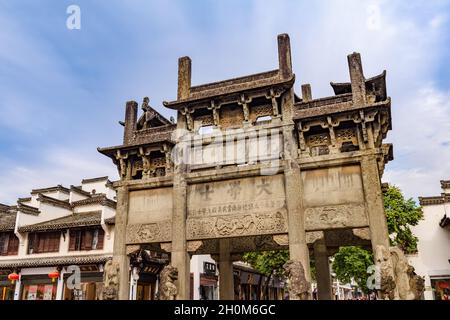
(53,275)
(13,277)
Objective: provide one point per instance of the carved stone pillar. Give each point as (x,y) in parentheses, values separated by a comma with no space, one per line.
(180,256)
(184,77)
(357,79)
(130,121)
(322,271)
(374,202)
(306,92)
(120,256)
(298,248)
(226,278)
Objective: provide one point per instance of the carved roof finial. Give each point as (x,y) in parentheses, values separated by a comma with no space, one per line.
(145,104)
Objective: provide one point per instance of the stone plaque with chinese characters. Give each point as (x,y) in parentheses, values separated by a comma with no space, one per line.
(149,216)
(334,198)
(240,207)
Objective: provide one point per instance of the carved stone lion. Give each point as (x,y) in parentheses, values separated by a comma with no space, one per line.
(387,284)
(298,286)
(167,287)
(398,279)
(111,280)
(402,280)
(416,283)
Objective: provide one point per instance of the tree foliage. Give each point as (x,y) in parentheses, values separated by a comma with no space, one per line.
(352,263)
(401,215)
(267,262)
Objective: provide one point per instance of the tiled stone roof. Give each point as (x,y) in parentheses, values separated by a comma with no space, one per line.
(378,82)
(7,217)
(24,199)
(54,261)
(27,209)
(55,202)
(51,189)
(83,219)
(235,85)
(445,184)
(79,191)
(95,199)
(105,178)
(429,201)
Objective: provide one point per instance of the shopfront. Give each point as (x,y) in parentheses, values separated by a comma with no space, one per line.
(146,286)
(208,287)
(38,287)
(146,266)
(441,288)
(90,288)
(250,285)
(7,287)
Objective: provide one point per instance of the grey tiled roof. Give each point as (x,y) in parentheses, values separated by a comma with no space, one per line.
(7,221)
(83,219)
(54,261)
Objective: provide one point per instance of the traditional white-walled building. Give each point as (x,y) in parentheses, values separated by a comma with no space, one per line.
(51,230)
(58,229)
(432,260)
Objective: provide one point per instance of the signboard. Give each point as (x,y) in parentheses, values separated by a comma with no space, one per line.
(32,292)
(48,292)
(239,207)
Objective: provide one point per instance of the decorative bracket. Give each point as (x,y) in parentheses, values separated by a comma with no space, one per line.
(243,101)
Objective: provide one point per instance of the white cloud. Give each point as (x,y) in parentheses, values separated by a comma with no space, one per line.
(66,166)
(242,39)
(438,20)
(421,143)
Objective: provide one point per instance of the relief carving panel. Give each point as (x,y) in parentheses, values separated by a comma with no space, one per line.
(148,233)
(249,206)
(335,217)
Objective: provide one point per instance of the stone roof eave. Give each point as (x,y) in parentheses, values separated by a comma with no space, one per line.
(179,104)
(336,108)
(111,151)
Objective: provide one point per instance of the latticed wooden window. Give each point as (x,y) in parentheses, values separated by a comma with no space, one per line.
(86,239)
(9,244)
(41,242)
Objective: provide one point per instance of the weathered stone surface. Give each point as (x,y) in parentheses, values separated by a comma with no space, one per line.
(336,217)
(398,279)
(194,192)
(152,205)
(111,280)
(167,288)
(149,233)
(299,288)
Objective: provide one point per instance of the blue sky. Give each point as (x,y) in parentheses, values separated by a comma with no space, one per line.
(62,91)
